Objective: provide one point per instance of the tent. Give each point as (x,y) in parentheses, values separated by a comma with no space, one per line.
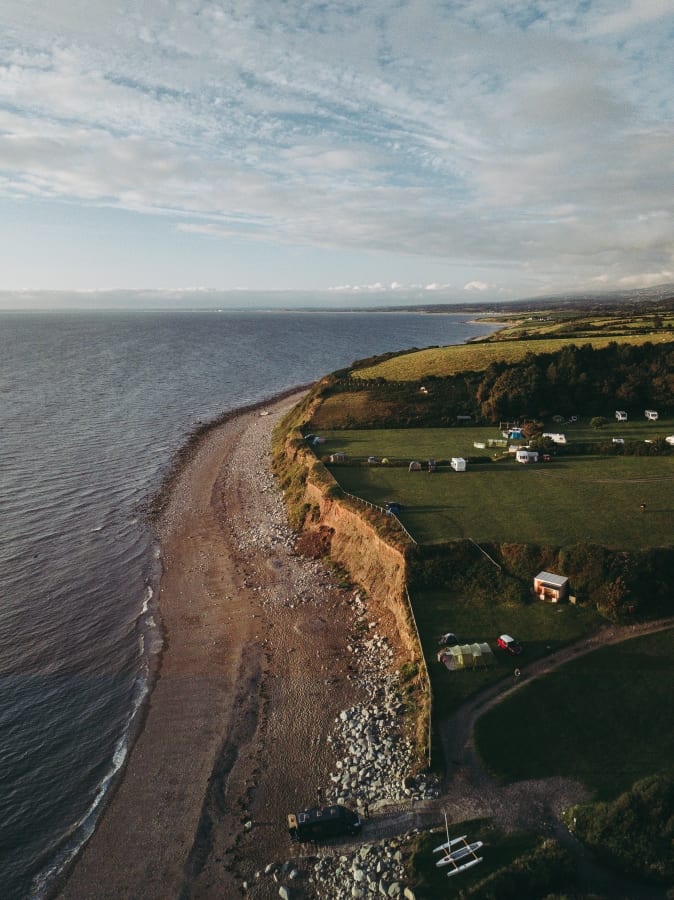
(466,656)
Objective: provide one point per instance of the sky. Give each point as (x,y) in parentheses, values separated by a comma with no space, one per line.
(450,150)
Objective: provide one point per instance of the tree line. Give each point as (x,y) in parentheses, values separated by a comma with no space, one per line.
(576,380)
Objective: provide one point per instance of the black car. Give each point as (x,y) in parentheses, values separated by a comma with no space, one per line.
(322,822)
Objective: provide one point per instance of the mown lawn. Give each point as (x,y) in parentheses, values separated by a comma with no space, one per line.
(606,719)
(595,499)
(541,627)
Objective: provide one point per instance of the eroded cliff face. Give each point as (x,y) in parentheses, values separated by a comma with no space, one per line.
(332,527)
(370,561)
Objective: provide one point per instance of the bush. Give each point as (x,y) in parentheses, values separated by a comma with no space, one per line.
(635,832)
(534,874)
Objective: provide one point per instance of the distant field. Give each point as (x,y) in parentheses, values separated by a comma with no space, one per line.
(608,737)
(477,357)
(594,499)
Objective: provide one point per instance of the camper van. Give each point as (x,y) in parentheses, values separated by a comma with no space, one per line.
(322,822)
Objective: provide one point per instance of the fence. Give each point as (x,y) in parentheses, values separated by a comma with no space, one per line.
(381,510)
(484,553)
(425,676)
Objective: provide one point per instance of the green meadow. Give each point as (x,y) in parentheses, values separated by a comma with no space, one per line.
(406,444)
(593,499)
(606,719)
(541,627)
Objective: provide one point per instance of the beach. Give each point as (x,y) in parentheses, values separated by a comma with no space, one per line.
(251,678)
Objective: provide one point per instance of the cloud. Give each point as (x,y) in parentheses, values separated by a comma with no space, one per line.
(476,286)
(534,138)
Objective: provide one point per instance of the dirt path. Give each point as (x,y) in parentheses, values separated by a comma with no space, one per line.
(526,804)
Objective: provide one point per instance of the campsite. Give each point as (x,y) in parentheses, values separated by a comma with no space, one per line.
(594,506)
(497,499)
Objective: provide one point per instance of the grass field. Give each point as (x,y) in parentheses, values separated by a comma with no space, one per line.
(593,499)
(443,443)
(477,357)
(500,849)
(620,730)
(541,627)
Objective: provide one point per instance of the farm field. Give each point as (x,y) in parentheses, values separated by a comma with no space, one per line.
(594,499)
(608,737)
(541,627)
(443,443)
(476,357)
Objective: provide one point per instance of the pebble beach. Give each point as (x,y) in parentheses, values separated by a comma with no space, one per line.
(274,689)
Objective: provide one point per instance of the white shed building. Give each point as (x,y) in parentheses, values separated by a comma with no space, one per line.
(549,586)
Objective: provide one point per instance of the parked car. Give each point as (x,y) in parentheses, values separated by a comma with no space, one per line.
(506,642)
(319,823)
(448,640)
(393,507)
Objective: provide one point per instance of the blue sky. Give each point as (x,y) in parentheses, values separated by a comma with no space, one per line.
(457,150)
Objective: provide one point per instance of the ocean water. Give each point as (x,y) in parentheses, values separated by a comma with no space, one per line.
(93,408)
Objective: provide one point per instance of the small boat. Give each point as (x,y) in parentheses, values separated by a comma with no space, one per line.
(456,856)
(455,850)
(449,844)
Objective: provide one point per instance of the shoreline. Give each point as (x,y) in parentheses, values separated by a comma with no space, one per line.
(162,518)
(232,681)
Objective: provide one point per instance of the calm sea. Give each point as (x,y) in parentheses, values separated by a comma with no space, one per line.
(93,408)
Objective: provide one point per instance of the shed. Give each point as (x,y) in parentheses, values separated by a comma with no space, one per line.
(549,586)
(415,466)
(458,463)
(526,456)
(651,414)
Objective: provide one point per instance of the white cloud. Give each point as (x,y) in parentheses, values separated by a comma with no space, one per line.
(534,139)
(476,286)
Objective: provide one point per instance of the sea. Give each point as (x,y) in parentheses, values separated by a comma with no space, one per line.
(94,408)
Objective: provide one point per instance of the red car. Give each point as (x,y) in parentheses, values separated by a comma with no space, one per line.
(505,642)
